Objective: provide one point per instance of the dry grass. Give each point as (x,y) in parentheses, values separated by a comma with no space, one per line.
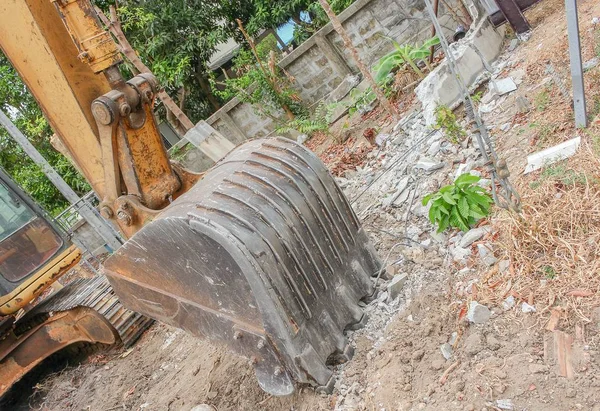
(554,245)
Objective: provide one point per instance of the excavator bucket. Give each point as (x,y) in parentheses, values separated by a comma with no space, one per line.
(264,254)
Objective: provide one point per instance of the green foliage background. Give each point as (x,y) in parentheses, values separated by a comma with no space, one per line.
(20,106)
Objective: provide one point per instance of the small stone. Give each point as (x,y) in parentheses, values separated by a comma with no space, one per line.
(437,364)
(478,314)
(302,138)
(523,105)
(503,266)
(395,286)
(446,350)
(571,393)
(485,255)
(457,385)
(473,235)
(538,368)
(505,127)
(407,387)
(508,303)
(526,308)
(492,342)
(434,149)
(474,344)
(460,254)
(505,404)
(389,272)
(203,407)
(418,355)
(212,395)
(381,138)
(429,165)
(453,338)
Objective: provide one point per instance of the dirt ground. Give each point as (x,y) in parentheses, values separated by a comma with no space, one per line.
(508,362)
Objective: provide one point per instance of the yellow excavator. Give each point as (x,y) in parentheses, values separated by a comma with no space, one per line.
(80,317)
(262,252)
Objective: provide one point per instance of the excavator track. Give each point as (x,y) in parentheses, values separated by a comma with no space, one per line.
(95,293)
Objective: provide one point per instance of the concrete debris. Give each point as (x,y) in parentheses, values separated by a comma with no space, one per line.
(503,266)
(395,286)
(478,314)
(526,308)
(503,86)
(203,407)
(552,155)
(381,138)
(595,20)
(302,138)
(428,165)
(508,303)
(453,338)
(505,404)
(400,188)
(486,255)
(590,64)
(463,169)
(473,235)
(513,45)
(434,148)
(446,350)
(505,127)
(460,254)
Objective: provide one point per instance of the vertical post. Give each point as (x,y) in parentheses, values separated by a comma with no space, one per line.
(576,67)
(86,211)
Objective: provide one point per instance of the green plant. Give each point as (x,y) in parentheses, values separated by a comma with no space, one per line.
(404,54)
(261,83)
(446,119)
(459,205)
(476,97)
(542,100)
(361,101)
(318,122)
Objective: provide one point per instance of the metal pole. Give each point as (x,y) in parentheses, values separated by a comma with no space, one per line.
(87,212)
(576,67)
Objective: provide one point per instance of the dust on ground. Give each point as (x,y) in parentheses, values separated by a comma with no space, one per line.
(417,351)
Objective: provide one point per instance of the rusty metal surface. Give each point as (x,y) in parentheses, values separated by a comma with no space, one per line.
(20,354)
(35,285)
(498,18)
(95,293)
(263,254)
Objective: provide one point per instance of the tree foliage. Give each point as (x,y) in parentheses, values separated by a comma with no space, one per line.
(19,104)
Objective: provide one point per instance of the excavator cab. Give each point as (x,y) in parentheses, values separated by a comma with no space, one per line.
(31,246)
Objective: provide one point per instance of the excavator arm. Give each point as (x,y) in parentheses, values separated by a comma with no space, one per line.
(262,253)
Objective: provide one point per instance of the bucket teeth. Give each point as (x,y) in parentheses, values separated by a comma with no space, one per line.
(264,254)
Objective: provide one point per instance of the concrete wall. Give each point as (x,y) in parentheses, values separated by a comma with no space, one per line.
(320,63)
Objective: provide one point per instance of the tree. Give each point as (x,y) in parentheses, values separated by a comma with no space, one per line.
(176,39)
(19,104)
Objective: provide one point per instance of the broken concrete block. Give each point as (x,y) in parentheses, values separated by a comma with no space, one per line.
(481,46)
(478,314)
(503,86)
(473,235)
(523,105)
(434,149)
(429,165)
(395,286)
(505,404)
(460,254)
(381,139)
(551,155)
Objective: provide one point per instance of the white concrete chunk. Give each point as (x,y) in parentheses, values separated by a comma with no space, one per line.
(551,155)
(478,314)
(473,235)
(395,286)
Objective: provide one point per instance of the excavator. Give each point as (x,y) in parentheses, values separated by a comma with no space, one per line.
(262,252)
(77,318)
